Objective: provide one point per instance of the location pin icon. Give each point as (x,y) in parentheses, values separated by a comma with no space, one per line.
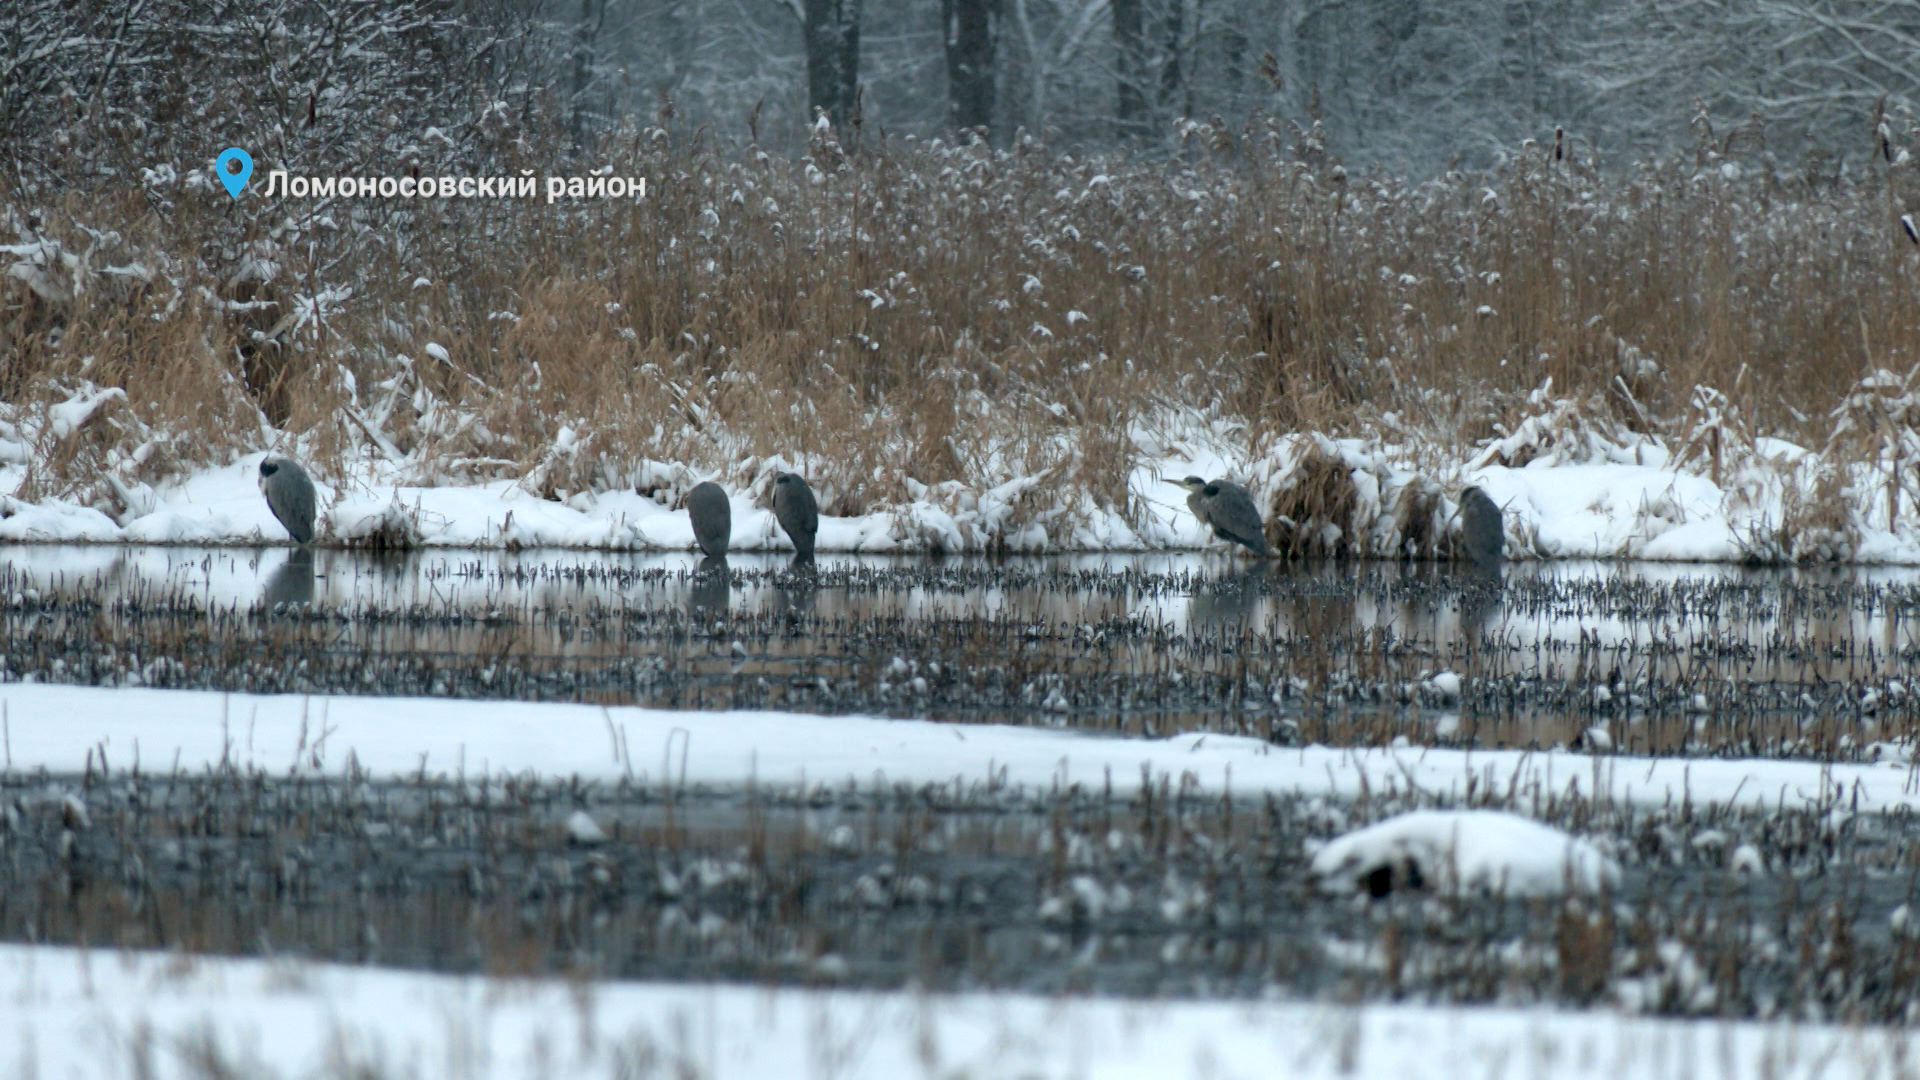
(236,179)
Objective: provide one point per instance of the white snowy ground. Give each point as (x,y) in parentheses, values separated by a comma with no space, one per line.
(1577,495)
(56,727)
(224,506)
(1574,511)
(67,1014)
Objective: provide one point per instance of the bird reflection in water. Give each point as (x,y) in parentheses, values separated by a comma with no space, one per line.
(712,590)
(1479,598)
(1231,598)
(292,581)
(1483,542)
(794,591)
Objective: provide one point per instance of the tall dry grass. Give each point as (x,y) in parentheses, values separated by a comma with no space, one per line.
(918,313)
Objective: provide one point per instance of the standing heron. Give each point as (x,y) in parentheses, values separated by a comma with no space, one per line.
(1228,509)
(796,510)
(1482,528)
(712,518)
(289,493)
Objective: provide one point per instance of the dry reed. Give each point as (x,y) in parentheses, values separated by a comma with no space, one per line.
(918,313)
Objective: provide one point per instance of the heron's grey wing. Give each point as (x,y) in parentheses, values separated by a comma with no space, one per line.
(1233,488)
(809,509)
(1482,527)
(290,497)
(1235,517)
(786,508)
(712,517)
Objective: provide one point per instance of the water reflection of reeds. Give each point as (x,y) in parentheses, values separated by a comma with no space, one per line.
(1668,659)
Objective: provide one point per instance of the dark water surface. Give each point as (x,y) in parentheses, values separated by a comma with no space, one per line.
(1666,658)
(947,888)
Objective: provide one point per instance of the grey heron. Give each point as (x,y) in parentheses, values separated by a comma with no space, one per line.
(289,493)
(1482,528)
(712,517)
(795,508)
(1228,509)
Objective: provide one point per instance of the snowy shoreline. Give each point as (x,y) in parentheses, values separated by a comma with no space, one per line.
(82,1013)
(388,737)
(1564,512)
(1569,493)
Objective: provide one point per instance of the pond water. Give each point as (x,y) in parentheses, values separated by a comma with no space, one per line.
(952,886)
(948,887)
(1664,658)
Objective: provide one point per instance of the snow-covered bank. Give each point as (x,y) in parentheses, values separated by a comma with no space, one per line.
(1568,511)
(1572,512)
(57,727)
(1572,489)
(73,1013)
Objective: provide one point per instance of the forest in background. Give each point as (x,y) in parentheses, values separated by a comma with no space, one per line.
(1408,86)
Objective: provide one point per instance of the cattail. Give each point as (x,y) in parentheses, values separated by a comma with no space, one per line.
(1270,71)
(73,813)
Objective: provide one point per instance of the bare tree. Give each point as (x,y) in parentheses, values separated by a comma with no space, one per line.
(592,18)
(1835,60)
(1174,45)
(1045,47)
(972,30)
(126,84)
(1414,83)
(1129,44)
(833,56)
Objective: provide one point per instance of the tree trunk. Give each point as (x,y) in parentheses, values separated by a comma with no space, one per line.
(833,57)
(1170,73)
(1129,17)
(973,41)
(583,41)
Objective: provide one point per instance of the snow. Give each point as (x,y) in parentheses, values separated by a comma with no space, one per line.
(1611,510)
(583,830)
(1570,491)
(55,727)
(1488,851)
(77,1014)
(223,506)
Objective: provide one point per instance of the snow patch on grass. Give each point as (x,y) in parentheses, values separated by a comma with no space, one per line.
(1455,851)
